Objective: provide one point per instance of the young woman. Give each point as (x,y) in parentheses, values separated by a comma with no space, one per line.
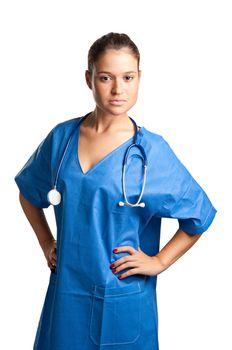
(109,198)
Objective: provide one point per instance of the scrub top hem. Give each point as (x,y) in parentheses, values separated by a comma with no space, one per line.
(201,229)
(24,191)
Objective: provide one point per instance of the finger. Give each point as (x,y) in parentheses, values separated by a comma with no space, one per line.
(129,273)
(52,267)
(126,265)
(53,250)
(54,256)
(53,261)
(123,261)
(125,248)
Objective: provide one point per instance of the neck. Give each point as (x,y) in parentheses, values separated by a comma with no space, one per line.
(102,122)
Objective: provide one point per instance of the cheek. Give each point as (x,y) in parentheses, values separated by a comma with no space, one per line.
(134,93)
(100,91)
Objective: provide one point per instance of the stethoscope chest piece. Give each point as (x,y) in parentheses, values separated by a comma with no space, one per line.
(54,197)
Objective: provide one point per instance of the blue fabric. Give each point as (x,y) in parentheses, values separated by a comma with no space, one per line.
(86,306)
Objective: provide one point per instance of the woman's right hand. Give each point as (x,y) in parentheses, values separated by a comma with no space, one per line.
(50,254)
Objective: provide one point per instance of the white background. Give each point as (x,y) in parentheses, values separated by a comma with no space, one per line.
(185,95)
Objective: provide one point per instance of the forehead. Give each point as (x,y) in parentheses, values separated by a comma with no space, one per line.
(116,60)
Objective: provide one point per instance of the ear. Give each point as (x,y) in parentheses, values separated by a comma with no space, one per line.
(88,79)
(139,74)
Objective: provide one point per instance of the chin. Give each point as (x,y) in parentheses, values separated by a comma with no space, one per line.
(118,111)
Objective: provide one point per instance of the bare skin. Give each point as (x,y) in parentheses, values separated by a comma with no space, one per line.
(115,76)
(93,145)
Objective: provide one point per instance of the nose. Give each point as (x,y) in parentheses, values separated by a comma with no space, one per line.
(117,87)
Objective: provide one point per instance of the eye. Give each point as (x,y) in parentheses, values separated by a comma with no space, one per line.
(104,78)
(130,77)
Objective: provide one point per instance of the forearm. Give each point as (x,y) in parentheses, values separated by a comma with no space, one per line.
(179,244)
(38,222)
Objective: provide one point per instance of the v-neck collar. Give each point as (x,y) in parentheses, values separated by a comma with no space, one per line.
(108,155)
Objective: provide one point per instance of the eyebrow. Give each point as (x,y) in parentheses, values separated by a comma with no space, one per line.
(111,73)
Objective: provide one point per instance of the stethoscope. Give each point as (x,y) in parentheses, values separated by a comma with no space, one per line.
(54,196)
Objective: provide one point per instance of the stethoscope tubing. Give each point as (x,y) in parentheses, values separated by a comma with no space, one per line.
(54,196)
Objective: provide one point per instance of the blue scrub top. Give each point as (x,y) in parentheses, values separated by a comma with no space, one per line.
(86,306)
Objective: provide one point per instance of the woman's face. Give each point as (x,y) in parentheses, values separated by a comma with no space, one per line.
(115,77)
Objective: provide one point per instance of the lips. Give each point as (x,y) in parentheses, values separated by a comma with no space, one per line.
(117,100)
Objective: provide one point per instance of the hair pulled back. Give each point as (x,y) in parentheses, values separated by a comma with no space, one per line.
(114,41)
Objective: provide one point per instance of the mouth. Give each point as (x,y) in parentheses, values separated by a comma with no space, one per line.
(117,102)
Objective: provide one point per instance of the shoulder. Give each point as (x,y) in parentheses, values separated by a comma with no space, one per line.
(152,136)
(155,141)
(57,137)
(65,126)
(61,131)
(161,153)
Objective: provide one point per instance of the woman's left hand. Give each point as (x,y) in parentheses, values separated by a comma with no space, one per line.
(137,263)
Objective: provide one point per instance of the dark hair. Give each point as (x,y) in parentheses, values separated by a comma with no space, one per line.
(114,41)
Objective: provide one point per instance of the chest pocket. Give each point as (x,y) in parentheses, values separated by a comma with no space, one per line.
(127,221)
(116,314)
(124,227)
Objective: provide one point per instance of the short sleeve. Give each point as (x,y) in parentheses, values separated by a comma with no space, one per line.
(34,180)
(188,202)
